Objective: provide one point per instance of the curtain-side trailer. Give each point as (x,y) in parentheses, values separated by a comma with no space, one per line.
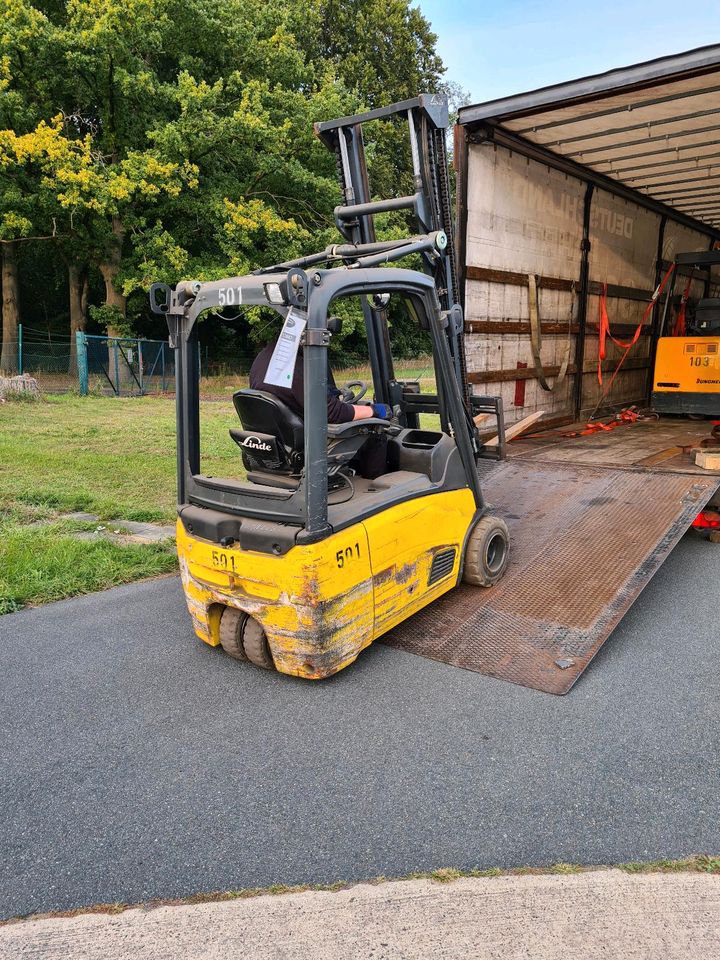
(573,202)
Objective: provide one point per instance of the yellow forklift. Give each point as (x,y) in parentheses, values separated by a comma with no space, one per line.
(686,378)
(304,563)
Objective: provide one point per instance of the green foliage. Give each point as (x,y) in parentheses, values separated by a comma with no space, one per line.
(161,139)
(22,396)
(383,49)
(117,460)
(108,317)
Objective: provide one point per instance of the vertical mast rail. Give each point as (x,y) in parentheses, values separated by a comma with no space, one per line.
(427,119)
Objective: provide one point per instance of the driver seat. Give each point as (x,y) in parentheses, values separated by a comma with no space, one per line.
(273,437)
(272,441)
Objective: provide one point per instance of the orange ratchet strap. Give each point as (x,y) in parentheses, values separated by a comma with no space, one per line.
(605,325)
(630,415)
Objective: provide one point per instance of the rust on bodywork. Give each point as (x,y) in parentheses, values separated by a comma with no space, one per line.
(312,629)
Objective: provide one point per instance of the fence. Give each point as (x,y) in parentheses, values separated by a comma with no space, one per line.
(100,365)
(130,366)
(50,360)
(124,366)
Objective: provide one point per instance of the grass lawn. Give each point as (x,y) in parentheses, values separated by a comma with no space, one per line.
(113,457)
(107,456)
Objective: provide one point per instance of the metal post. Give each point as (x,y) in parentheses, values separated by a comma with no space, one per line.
(315,365)
(117,369)
(191,355)
(162,348)
(140,366)
(670,293)
(376,324)
(82,362)
(658,319)
(450,396)
(180,414)
(187,405)
(583,288)
(20,349)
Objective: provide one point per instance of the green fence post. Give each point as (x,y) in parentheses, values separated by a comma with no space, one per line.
(117,368)
(20,350)
(82,362)
(138,344)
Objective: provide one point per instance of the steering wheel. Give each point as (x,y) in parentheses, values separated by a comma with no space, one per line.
(352,396)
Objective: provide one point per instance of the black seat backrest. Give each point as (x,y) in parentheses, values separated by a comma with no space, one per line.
(273,436)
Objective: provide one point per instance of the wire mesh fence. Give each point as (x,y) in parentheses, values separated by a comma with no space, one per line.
(124,366)
(132,366)
(50,360)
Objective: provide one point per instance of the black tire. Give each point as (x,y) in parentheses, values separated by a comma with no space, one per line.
(232,625)
(256,646)
(487,552)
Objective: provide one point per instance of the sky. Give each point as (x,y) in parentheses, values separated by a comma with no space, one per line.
(495,48)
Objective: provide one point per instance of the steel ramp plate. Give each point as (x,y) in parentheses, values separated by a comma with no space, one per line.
(584,542)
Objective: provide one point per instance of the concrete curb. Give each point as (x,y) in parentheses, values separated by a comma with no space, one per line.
(582,916)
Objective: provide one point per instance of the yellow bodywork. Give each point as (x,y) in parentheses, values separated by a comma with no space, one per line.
(687,365)
(320,604)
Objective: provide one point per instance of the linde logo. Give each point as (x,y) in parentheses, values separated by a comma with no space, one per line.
(255,443)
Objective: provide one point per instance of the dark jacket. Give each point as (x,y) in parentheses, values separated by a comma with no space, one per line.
(294,397)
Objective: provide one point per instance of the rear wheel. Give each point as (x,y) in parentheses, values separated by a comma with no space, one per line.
(243,638)
(256,646)
(487,552)
(232,624)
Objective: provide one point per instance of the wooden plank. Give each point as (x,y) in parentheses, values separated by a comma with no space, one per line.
(517,428)
(504,376)
(660,457)
(619,292)
(520,327)
(517,327)
(548,424)
(515,279)
(708,459)
(614,290)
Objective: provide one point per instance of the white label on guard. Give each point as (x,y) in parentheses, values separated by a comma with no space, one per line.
(281,369)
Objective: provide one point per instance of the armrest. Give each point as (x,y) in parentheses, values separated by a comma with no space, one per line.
(336,430)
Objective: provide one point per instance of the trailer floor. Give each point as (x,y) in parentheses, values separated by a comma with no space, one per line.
(591,520)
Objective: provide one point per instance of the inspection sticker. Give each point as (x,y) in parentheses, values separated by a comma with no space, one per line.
(281,368)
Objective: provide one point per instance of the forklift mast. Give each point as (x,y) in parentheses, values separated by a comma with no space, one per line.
(431,206)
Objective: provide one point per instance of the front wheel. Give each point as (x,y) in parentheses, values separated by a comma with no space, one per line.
(487,552)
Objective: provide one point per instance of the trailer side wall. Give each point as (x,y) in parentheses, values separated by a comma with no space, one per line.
(525,217)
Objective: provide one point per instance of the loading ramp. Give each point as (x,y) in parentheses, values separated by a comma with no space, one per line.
(591,520)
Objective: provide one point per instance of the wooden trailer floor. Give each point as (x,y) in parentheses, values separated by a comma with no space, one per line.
(591,520)
(658,445)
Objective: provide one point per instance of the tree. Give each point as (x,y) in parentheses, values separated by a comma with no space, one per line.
(382,49)
(24,63)
(174,137)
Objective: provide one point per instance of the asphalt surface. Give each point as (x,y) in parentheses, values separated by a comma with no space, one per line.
(138,763)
